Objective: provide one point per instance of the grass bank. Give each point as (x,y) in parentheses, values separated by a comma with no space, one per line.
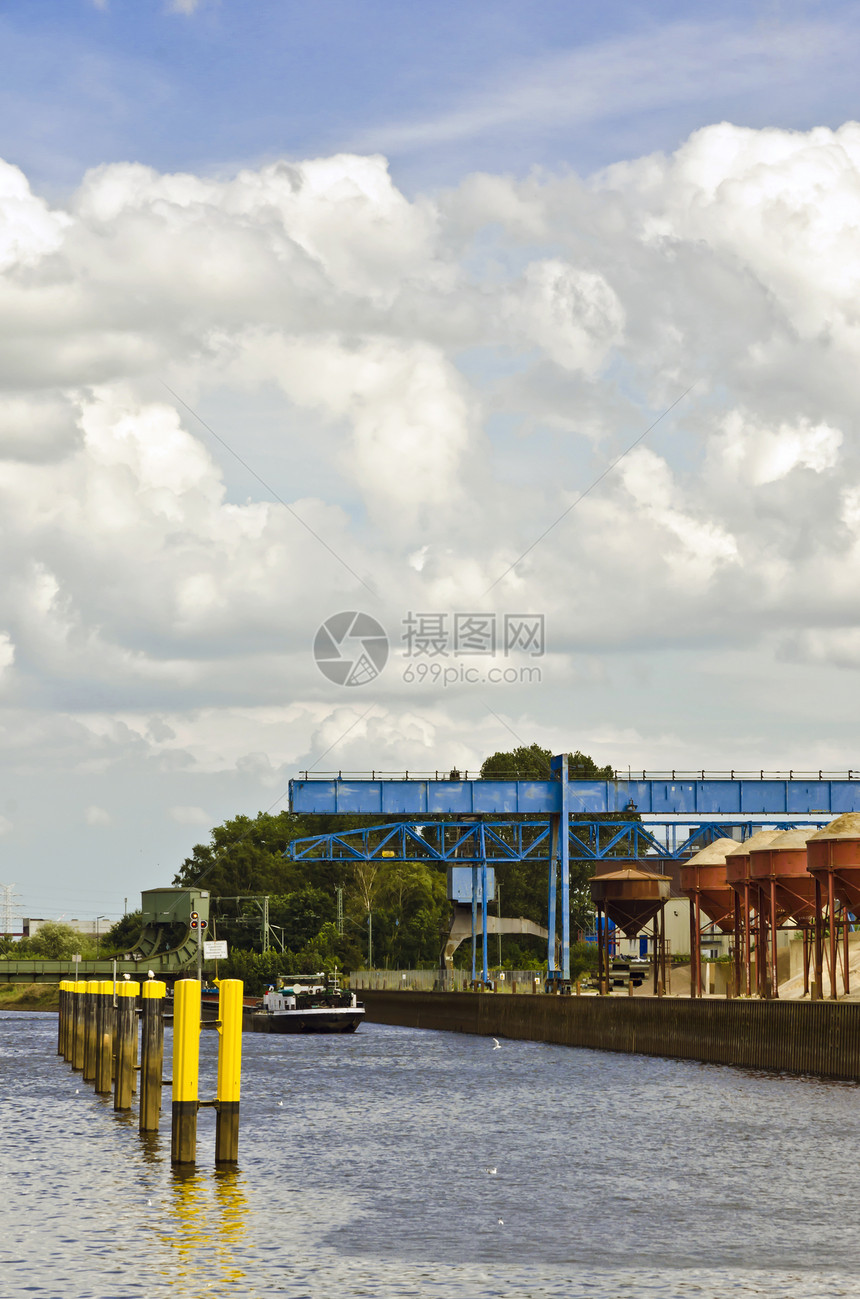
(29,996)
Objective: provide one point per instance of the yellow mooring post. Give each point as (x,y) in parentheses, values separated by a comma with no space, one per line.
(126,1043)
(93,987)
(105,1025)
(186,1064)
(79,1047)
(151,1054)
(229,1071)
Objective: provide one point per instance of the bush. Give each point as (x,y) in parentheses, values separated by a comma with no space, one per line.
(55,942)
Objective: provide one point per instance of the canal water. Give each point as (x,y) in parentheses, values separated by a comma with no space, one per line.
(398,1163)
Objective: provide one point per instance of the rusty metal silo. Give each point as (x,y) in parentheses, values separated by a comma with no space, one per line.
(833,861)
(631,899)
(786,891)
(703,880)
(738,878)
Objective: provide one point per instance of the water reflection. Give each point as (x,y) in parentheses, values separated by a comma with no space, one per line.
(204,1220)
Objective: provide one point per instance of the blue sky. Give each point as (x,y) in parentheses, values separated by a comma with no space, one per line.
(442,88)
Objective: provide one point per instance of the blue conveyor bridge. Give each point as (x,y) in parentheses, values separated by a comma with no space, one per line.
(499,820)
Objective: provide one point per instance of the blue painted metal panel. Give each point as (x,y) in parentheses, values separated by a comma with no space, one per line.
(801,796)
(842,796)
(694,798)
(460,884)
(451,796)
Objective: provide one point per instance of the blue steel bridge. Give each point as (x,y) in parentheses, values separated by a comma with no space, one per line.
(680,813)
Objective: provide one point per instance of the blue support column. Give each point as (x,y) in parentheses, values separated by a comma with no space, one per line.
(550,909)
(474,915)
(483,841)
(561,851)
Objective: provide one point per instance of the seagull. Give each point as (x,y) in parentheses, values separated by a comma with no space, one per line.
(498,1045)
(126,976)
(501,1222)
(492,1172)
(280,1102)
(150,974)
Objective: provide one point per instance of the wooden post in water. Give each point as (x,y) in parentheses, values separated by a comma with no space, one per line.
(126,1043)
(93,987)
(186,1064)
(63,1021)
(79,1043)
(151,1054)
(229,1071)
(105,1027)
(70,1021)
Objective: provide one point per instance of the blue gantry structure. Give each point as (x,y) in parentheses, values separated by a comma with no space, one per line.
(680,815)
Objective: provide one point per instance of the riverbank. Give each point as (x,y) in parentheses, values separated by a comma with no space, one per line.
(29,996)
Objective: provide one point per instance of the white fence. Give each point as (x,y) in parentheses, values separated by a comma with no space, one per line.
(441,980)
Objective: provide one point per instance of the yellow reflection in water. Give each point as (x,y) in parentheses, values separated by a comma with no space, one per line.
(208,1216)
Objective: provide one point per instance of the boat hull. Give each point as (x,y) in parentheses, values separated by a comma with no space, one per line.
(333,1020)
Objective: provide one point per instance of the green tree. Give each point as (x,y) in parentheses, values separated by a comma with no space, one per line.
(531,762)
(54,941)
(301,915)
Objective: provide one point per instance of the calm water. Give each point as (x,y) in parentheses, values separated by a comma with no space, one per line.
(364,1172)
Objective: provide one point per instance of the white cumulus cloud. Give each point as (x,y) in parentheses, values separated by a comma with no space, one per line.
(425,387)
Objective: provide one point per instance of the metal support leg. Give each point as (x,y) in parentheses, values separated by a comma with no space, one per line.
(739,941)
(474,919)
(698,965)
(747,942)
(833,935)
(550,920)
(819,940)
(774,976)
(486,973)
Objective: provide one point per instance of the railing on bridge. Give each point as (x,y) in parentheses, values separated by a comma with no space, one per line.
(628,773)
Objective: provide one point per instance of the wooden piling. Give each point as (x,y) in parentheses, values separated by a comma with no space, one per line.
(64,1019)
(126,1043)
(151,1053)
(229,1071)
(105,1024)
(78,1027)
(186,1045)
(93,987)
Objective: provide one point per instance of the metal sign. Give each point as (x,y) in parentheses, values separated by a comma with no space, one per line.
(216,950)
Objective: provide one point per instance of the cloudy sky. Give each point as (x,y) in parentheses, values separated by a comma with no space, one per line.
(340,307)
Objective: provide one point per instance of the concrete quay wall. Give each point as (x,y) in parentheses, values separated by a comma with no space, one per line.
(820,1038)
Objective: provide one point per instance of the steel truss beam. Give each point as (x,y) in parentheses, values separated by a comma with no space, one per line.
(460,842)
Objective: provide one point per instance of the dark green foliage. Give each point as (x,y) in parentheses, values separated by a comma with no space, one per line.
(531,762)
(122,936)
(299,916)
(583,959)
